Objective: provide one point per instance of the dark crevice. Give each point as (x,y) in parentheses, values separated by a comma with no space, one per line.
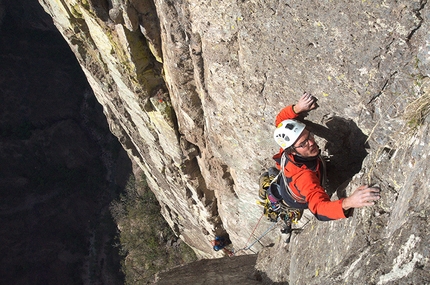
(228,179)
(384,86)
(389,151)
(346,148)
(100,8)
(417,13)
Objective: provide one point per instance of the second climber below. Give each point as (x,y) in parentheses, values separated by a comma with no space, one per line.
(300,185)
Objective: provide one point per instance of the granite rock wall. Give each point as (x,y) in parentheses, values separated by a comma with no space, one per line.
(191,89)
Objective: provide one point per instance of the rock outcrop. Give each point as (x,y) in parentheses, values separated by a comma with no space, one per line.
(191,89)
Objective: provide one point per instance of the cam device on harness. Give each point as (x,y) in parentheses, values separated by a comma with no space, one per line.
(274,205)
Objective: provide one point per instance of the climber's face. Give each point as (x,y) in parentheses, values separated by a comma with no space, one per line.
(306,145)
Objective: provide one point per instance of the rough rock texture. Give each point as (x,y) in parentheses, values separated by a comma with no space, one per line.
(239,270)
(191,89)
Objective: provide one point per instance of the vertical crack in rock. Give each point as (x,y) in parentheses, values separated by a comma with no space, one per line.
(384,86)
(417,12)
(100,8)
(187,91)
(229,181)
(185,78)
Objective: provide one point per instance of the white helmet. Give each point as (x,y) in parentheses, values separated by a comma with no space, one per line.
(287,132)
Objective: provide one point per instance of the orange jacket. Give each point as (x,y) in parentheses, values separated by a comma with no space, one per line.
(303,176)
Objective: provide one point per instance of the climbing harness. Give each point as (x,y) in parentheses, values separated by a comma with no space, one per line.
(274,206)
(274,209)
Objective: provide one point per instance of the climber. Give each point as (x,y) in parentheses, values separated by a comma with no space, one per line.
(220,243)
(300,184)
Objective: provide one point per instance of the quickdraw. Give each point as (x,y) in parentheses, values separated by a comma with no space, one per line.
(274,210)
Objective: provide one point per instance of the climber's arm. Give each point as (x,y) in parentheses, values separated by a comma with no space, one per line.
(306,103)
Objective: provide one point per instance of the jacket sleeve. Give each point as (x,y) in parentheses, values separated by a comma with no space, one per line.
(319,202)
(285,114)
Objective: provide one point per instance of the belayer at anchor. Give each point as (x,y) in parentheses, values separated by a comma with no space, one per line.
(220,243)
(299,183)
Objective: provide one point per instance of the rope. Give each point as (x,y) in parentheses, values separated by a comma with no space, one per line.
(258,239)
(255,228)
(265,233)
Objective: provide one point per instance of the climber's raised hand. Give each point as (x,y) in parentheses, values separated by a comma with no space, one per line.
(306,103)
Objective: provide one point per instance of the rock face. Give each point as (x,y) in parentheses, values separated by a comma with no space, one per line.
(239,270)
(191,89)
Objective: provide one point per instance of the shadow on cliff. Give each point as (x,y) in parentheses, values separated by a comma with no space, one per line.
(60,166)
(346,147)
(263,279)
